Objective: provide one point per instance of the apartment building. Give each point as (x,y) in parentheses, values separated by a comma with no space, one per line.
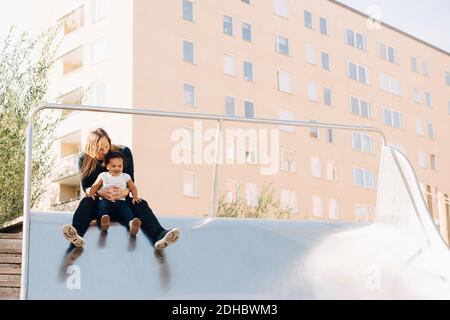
(283,59)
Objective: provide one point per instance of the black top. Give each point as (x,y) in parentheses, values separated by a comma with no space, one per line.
(88,181)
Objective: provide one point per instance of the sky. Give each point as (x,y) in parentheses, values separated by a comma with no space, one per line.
(426,19)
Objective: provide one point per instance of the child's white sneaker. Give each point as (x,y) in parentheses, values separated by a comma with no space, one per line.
(167,238)
(135,224)
(71,234)
(105,220)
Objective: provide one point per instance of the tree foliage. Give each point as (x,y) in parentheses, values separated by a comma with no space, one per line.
(25,63)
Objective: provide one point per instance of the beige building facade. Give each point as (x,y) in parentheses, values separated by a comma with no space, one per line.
(282,59)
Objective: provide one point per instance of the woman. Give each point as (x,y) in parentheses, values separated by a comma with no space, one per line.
(91,164)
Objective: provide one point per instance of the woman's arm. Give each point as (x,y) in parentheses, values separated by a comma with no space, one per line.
(129,164)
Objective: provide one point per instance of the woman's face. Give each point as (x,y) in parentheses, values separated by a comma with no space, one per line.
(103,148)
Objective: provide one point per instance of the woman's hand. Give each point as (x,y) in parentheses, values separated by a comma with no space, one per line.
(108,194)
(114,193)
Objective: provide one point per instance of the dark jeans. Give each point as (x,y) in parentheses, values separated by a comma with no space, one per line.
(88,208)
(117,210)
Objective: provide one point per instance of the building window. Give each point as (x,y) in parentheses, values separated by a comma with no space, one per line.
(228,25)
(355,39)
(282,8)
(362,213)
(190,184)
(229,65)
(360,107)
(248,71)
(433,162)
(390,84)
(230,106)
(314,131)
(427,99)
(425,70)
(325,61)
(286,115)
(249,109)
(312,91)
(332,171)
(251,194)
(282,45)
(362,142)
(231,191)
(413,64)
(250,151)
(447,78)
(416,95)
(317,206)
(288,161)
(308,19)
(430,131)
(327,97)
(247,31)
(231,147)
(422,159)
(363,178)
(323,25)
(316,169)
(99,52)
(387,53)
(188,51)
(310,54)
(189,94)
(285,82)
(99,10)
(357,72)
(288,200)
(393,118)
(188,10)
(419,127)
(333,209)
(330,136)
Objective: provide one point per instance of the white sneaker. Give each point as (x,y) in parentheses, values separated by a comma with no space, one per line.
(104,222)
(169,238)
(135,224)
(71,234)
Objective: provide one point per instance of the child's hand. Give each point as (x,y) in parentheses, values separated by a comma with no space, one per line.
(136,200)
(91,195)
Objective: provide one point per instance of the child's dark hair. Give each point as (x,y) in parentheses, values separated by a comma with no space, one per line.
(114,155)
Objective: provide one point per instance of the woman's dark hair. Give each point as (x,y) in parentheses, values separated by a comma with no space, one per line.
(114,155)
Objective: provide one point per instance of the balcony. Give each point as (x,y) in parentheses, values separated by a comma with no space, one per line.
(67,205)
(73,20)
(66,170)
(72,61)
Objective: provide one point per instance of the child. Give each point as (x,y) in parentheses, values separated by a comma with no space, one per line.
(115,177)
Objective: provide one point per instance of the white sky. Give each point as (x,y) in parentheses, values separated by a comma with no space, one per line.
(425,19)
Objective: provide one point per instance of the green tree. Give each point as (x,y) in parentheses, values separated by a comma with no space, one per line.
(265,206)
(25,63)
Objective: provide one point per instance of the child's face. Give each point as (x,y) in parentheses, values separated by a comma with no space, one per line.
(115,166)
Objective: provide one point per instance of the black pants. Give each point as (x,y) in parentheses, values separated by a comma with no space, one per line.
(116,210)
(88,209)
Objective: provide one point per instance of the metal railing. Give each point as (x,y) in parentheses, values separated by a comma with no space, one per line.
(149,112)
